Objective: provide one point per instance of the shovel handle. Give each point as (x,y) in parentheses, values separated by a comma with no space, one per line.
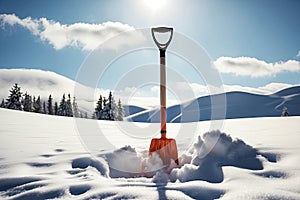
(162,49)
(162,46)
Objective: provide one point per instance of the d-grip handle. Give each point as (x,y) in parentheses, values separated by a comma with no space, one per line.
(162,30)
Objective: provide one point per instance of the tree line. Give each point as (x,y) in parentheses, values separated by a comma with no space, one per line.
(106,108)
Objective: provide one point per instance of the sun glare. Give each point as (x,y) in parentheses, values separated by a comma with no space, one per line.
(155,5)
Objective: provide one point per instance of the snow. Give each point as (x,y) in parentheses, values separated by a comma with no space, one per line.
(45,157)
(229,105)
(208,157)
(43,83)
(145,108)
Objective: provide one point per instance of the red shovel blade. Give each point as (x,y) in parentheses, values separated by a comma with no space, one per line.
(166,149)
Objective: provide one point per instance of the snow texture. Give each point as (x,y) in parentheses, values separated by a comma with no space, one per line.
(208,157)
(42,157)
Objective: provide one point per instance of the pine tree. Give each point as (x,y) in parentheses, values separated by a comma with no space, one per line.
(113,111)
(101,111)
(110,98)
(75,108)
(33,103)
(120,111)
(109,110)
(14,99)
(49,105)
(62,107)
(104,115)
(55,108)
(104,102)
(69,110)
(27,103)
(110,106)
(2,105)
(44,108)
(37,106)
(98,109)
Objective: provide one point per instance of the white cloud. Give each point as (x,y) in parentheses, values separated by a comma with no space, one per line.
(298,54)
(11,19)
(82,35)
(245,66)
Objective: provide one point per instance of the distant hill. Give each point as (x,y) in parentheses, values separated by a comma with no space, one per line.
(237,105)
(38,82)
(131,110)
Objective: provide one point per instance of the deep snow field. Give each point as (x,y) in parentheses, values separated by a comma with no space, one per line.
(47,157)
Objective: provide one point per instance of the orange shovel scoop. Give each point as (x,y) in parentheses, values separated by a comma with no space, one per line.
(165,147)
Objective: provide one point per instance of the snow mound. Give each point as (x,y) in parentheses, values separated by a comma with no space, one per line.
(205,159)
(126,162)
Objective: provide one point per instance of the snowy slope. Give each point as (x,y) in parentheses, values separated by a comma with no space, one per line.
(131,110)
(39,82)
(35,82)
(238,105)
(43,83)
(43,157)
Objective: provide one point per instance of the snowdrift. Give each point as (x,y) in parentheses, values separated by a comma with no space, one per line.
(203,161)
(42,157)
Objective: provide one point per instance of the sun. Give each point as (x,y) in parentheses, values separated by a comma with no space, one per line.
(155,5)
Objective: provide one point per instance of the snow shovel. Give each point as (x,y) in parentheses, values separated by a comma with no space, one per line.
(165,147)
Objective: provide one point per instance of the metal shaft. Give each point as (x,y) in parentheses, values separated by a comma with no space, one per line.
(163,109)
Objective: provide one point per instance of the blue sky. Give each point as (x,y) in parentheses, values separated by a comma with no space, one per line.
(265,31)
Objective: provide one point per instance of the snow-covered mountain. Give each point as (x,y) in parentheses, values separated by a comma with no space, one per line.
(236,105)
(35,82)
(131,110)
(43,83)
